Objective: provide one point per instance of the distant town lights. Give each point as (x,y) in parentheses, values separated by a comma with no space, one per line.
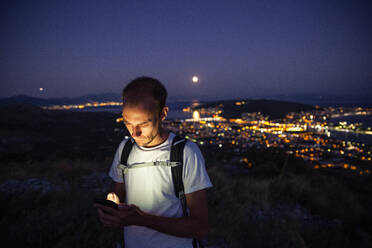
(196,115)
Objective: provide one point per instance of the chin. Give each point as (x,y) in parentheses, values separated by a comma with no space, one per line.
(141,141)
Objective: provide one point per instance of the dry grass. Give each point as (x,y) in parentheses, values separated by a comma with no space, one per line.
(306,210)
(65,169)
(65,219)
(291,209)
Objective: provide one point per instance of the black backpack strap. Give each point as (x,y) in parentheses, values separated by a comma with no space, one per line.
(176,155)
(125,153)
(197,244)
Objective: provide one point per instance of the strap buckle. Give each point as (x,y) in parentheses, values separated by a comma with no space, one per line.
(181,194)
(123,167)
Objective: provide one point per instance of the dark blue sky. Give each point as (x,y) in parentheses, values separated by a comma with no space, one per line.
(237,48)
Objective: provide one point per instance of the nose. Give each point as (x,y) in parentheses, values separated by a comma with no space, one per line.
(136,131)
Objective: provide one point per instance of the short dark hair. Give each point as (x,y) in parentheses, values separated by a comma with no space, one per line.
(145,86)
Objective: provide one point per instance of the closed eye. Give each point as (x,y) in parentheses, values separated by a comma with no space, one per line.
(141,125)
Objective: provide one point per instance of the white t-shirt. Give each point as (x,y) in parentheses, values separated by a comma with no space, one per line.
(152,190)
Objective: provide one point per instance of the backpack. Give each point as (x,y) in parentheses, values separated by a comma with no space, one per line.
(176,164)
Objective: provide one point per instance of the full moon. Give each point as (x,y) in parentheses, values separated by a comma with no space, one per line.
(195,79)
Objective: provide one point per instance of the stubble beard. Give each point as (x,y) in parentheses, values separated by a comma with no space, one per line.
(151,139)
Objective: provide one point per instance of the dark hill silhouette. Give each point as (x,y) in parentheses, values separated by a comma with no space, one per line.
(23,99)
(273,108)
(32,131)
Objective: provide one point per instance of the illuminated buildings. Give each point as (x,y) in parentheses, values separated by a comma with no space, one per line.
(83,106)
(304,135)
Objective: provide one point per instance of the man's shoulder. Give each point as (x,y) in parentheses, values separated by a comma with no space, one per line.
(191,148)
(191,145)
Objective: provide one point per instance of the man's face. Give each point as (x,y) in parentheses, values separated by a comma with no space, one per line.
(143,123)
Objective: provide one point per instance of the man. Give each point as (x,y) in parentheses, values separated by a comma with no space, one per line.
(152,214)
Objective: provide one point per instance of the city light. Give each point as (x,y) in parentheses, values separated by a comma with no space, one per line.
(83,106)
(196,115)
(307,136)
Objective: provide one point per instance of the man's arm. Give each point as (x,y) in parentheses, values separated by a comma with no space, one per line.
(193,226)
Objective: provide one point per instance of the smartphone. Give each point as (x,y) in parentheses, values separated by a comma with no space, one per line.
(106,203)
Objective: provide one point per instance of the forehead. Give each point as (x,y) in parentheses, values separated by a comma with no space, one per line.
(145,102)
(138,113)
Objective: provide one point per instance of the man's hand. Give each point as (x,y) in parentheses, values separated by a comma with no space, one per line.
(125,215)
(193,226)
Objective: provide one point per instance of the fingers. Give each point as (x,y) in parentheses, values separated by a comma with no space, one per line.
(123,206)
(124,215)
(109,220)
(105,208)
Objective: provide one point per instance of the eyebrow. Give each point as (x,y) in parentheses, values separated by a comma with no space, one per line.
(138,124)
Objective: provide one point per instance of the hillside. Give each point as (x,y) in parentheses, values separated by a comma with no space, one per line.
(53,163)
(37,133)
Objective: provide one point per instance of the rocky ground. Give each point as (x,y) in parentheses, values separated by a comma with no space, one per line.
(95,182)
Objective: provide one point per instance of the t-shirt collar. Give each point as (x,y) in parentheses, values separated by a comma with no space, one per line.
(167,142)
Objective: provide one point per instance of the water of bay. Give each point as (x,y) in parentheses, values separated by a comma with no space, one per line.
(365,121)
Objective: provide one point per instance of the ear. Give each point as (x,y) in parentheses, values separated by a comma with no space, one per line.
(164,113)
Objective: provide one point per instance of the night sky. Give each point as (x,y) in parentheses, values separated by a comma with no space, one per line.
(237,48)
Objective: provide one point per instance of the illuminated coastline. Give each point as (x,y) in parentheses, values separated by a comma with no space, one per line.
(83,106)
(306,135)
